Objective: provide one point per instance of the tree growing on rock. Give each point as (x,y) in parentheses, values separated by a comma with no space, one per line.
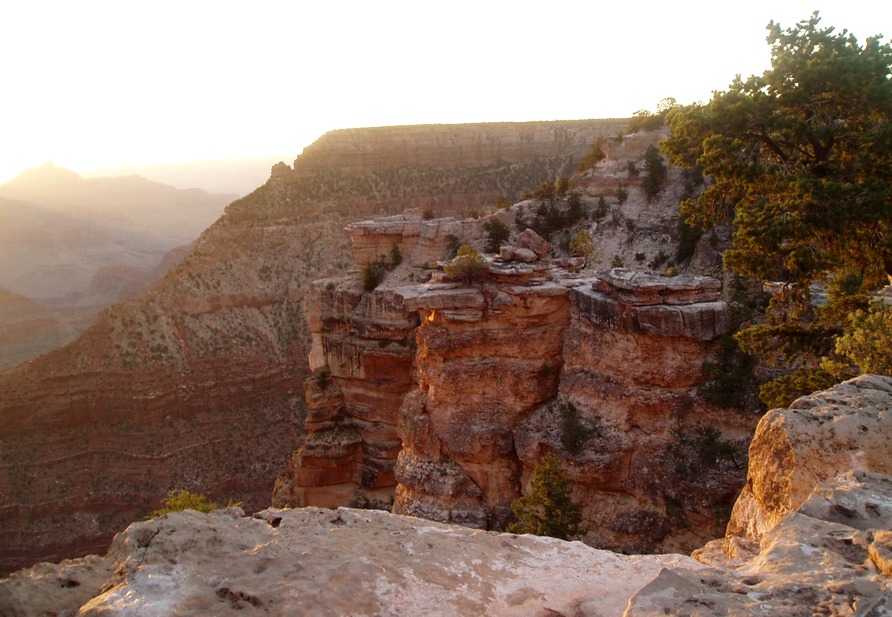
(497,234)
(548,509)
(800,164)
(467,267)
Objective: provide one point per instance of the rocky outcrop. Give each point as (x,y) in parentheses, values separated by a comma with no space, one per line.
(487,358)
(848,427)
(481,382)
(831,554)
(327,562)
(198,384)
(810,533)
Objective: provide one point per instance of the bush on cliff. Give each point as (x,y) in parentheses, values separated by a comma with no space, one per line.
(548,509)
(497,234)
(178,501)
(467,267)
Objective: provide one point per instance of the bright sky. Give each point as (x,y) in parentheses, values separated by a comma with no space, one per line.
(89,84)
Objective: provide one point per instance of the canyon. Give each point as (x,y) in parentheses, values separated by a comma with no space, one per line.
(438,399)
(70,246)
(810,535)
(198,384)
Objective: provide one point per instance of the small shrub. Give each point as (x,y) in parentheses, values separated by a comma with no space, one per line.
(323,379)
(497,234)
(396,256)
(617,262)
(501,203)
(561,186)
(548,509)
(575,209)
(639,257)
(178,501)
(428,214)
(372,275)
(655,172)
(601,210)
(582,245)
(633,171)
(622,194)
(467,267)
(631,226)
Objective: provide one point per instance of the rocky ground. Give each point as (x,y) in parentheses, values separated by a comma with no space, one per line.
(825,551)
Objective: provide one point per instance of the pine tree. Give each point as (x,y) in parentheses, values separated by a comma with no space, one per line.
(548,509)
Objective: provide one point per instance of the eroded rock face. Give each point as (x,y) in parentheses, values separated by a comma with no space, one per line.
(487,357)
(477,381)
(326,562)
(848,427)
(810,533)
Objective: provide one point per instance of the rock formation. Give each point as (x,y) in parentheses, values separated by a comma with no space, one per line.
(449,395)
(829,553)
(330,562)
(810,533)
(198,384)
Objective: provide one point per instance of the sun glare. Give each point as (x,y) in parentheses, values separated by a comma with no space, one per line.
(109,83)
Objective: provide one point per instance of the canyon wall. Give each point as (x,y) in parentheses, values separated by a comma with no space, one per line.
(198,384)
(448,396)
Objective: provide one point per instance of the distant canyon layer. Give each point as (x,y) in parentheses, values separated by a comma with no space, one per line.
(71,246)
(199,383)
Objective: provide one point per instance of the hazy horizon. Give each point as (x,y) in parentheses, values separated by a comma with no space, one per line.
(92,89)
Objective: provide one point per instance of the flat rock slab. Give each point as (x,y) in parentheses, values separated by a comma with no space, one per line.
(333,562)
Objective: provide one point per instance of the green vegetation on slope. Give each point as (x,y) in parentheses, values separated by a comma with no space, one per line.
(800,163)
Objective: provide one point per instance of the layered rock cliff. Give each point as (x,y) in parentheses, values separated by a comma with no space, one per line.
(199,383)
(449,395)
(829,553)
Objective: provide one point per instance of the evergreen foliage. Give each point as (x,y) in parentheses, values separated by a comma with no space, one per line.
(868,343)
(800,163)
(655,171)
(497,234)
(548,509)
(468,265)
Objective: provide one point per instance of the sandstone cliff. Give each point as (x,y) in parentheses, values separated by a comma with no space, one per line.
(448,396)
(829,554)
(198,384)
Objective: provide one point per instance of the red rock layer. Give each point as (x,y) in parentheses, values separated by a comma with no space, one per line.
(199,383)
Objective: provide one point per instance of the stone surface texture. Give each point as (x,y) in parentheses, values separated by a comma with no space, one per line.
(810,534)
(330,562)
(199,383)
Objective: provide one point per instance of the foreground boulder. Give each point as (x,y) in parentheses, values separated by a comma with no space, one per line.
(812,530)
(330,562)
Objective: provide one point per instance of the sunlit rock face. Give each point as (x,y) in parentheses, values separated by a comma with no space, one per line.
(444,397)
(330,562)
(199,383)
(811,532)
